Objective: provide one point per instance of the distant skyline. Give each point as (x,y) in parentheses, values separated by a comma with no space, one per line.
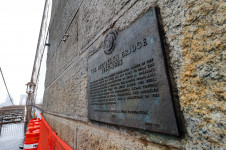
(7,102)
(20,23)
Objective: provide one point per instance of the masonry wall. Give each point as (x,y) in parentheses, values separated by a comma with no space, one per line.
(194,32)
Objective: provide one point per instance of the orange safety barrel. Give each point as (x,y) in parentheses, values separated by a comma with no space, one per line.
(34,125)
(31,139)
(32,135)
(35,119)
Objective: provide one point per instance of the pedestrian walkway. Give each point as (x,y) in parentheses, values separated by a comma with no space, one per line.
(12,136)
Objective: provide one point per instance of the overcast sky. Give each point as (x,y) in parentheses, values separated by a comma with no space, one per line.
(20,22)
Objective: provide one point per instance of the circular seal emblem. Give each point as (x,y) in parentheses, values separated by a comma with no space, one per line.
(109,42)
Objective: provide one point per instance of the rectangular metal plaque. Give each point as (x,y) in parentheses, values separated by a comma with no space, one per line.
(127,79)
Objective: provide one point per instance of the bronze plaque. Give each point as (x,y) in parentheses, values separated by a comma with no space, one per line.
(127,79)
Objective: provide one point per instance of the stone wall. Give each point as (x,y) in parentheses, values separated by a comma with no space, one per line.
(194,32)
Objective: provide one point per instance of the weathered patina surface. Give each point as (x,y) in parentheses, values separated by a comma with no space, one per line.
(128,85)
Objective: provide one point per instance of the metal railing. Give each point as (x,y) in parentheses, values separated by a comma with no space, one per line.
(11,114)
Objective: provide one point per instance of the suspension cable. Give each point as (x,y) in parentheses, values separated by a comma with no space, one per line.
(6,87)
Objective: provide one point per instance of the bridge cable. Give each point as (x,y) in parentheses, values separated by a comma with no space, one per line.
(6,86)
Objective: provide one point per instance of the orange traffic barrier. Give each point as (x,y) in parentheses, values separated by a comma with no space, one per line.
(32,135)
(41,137)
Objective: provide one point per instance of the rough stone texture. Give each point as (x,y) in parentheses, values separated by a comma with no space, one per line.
(194,40)
(202,77)
(66,94)
(65,54)
(90,23)
(63,11)
(80,135)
